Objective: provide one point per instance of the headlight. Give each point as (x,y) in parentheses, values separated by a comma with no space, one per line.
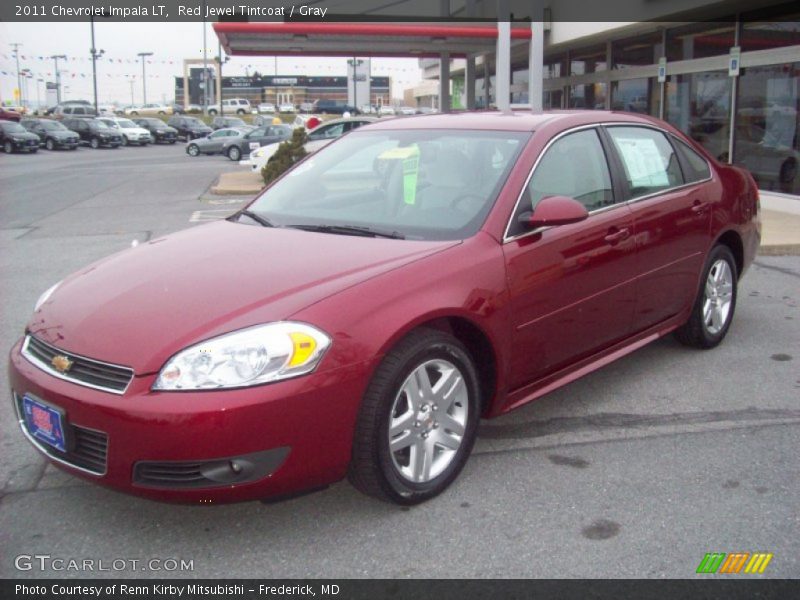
(246,357)
(44,297)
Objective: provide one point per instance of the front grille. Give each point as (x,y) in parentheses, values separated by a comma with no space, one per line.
(170,474)
(87,449)
(83,371)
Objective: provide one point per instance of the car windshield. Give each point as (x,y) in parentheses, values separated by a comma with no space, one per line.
(421,184)
(126,124)
(99,125)
(52,126)
(156,124)
(13,128)
(194,121)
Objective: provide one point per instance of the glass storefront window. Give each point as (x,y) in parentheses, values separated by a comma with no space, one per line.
(699,105)
(555,66)
(552,99)
(641,50)
(588,60)
(588,96)
(700,40)
(770,34)
(636,95)
(767,140)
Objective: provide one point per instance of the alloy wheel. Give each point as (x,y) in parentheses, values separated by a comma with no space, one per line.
(428,420)
(718,297)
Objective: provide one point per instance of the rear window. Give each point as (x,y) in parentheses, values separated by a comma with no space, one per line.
(695,167)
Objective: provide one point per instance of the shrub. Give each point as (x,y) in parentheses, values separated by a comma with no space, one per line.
(287,154)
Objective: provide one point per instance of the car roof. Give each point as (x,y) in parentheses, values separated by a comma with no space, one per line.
(349,120)
(508,121)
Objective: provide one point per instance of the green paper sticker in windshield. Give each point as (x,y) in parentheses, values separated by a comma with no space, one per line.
(410,157)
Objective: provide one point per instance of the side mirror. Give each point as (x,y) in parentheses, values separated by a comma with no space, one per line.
(554,210)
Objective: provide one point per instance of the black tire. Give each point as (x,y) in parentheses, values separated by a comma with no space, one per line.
(234,153)
(240,111)
(34,150)
(94,143)
(212,112)
(74,148)
(695,332)
(134,113)
(372,468)
(172,141)
(788,171)
(125,141)
(8,148)
(49,144)
(193,150)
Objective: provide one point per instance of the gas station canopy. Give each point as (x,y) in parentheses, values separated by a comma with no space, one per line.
(361,39)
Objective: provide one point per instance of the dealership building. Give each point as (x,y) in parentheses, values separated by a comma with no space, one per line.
(281,89)
(726,75)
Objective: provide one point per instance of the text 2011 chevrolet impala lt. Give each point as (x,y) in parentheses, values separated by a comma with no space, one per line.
(361,314)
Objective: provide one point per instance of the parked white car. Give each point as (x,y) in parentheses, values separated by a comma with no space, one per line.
(231,106)
(287,108)
(386,110)
(130,131)
(319,137)
(266,107)
(150,109)
(408,110)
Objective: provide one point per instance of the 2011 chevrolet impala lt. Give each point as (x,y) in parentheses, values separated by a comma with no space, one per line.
(365,311)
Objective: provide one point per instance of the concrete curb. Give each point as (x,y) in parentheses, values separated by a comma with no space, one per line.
(237,183)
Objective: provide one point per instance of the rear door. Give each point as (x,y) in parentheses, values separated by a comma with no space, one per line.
(672,221)
(572,287)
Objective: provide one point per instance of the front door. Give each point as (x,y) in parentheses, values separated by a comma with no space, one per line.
(572,287)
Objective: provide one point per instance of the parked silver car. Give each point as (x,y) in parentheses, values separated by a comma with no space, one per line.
(214,142)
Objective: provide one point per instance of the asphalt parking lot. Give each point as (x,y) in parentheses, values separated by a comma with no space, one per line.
(637,470)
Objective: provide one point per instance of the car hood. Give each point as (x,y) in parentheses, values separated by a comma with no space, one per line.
(23,136)
(136,130)
(140,306)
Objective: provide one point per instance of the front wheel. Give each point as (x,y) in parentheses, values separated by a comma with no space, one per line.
(125,141)
(193,150)
(418,420)
(8,147)
(95,143)
(234,153)
(49,144)
(714,306)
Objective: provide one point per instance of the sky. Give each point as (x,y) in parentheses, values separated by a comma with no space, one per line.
(170,43)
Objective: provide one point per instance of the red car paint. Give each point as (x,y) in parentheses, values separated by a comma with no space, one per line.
(537,312)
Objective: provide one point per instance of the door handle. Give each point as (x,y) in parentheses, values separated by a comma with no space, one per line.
(698,207)
(617,235)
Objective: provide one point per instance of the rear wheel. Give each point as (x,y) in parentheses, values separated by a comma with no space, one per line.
(714,306)
(418,420)
(8,148)
(234,153)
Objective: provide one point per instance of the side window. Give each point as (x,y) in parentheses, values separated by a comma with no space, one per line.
(573,166)
(650,162)
(695,167)
(67,110)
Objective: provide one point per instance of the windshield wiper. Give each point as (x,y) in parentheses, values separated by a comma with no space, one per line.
(264,221)
(351,230)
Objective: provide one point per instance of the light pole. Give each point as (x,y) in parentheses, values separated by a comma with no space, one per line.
(205,66)
(19,77)
(38,98)
(131,82)
(144,77)
(55,57)
(95,55)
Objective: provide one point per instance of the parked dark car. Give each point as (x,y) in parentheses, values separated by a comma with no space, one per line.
(226,122)
(6,114)
(255,139)
(160,131)
(411,278)
(189,128)
(52,134)
(94,133)
(15,138)
(332,107)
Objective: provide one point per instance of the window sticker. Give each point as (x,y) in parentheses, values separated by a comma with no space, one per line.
(643,161)
(410,157)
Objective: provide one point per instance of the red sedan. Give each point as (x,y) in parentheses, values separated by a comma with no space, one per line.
(361,314)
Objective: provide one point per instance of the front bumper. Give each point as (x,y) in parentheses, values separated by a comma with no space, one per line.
(297,434)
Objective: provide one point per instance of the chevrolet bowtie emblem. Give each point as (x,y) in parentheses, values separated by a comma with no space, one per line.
(61,363)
